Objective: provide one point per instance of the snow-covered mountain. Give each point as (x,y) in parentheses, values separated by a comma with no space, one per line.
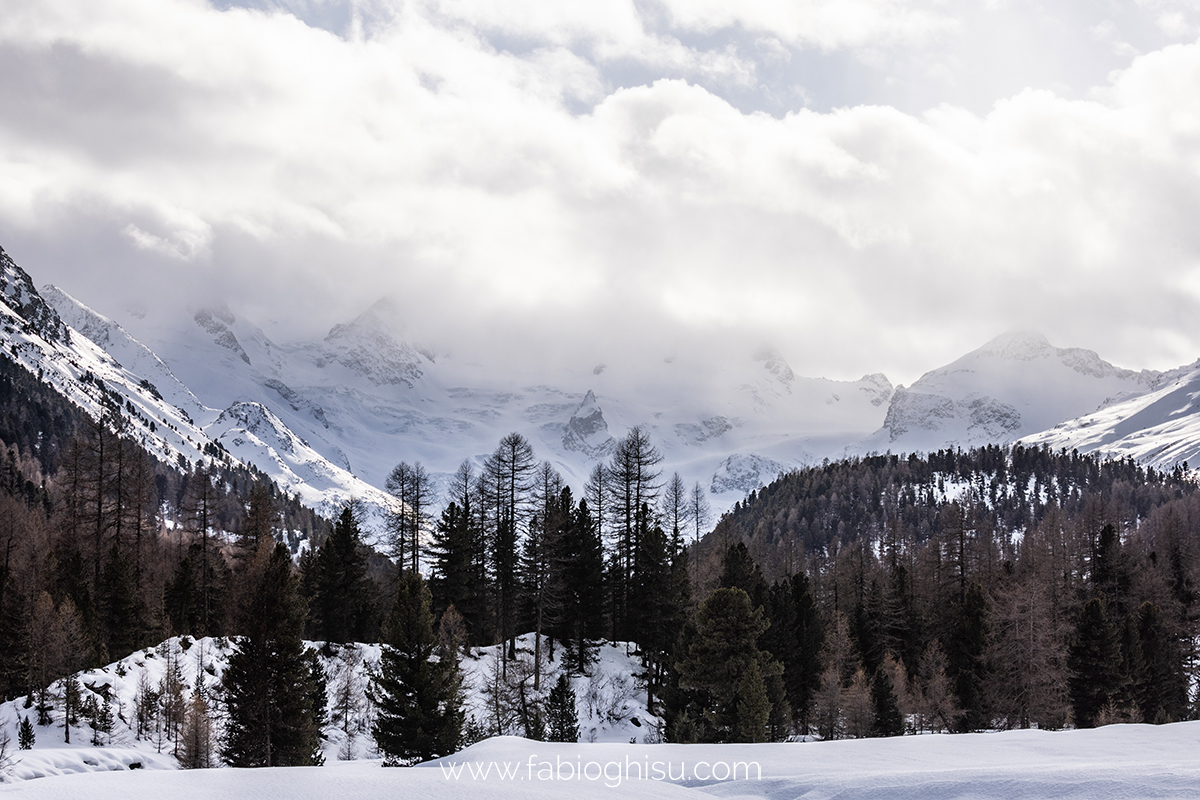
(95,363)
(1159,428)
(1014,386)
(329,418)
(365,399)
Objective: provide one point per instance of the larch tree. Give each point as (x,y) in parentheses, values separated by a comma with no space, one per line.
(414,491)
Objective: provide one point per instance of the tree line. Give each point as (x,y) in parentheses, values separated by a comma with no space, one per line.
(992,588)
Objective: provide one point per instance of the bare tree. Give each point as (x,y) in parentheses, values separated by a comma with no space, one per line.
(412,486)
(676,510)
(699,511)
(633,491)
(506,490)
(197,734)
(936,706)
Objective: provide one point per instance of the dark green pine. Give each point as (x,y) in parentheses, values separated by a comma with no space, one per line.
(418,709)
(561,714)
(343,602)
(888,721)
(269,687)
(1094,663)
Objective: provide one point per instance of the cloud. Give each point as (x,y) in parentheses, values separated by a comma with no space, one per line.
(825,24)
(524,208)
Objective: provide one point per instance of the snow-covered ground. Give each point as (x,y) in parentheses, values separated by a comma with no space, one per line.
(615,754)
(1122,761)
(610,703)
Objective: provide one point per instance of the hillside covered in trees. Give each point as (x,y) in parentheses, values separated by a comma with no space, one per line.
(986,588)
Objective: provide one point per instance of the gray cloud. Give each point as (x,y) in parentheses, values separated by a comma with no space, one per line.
(563,183)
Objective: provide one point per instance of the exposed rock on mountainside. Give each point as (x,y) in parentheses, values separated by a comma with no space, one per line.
(743,473)
(587,432)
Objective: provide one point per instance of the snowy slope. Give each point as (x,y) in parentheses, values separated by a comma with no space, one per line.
(98,365)
(1160,428)
(328,419)
(35,336)
(1013,386)
(610,705)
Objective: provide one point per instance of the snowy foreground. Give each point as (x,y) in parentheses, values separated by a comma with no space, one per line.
(1125,761)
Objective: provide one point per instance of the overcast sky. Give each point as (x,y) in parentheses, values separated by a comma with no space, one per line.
(866,185)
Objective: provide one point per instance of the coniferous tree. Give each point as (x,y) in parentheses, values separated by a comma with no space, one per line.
(888,719)
(25,735)
(411,485)
(740,570)
(658,599)
(561,715)
(579,566)
(72,706)
(199,509)
(965,657)
(269,687)
(719,663)
(197,735)
(418,710)
(119,613)
(633,487)
(1161,689)
(802,672)
(342,605)
(1093,662)
(506,484)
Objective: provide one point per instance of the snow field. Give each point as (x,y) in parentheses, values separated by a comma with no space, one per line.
(1122,761)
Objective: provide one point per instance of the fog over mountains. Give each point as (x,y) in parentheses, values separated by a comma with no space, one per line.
(329,418)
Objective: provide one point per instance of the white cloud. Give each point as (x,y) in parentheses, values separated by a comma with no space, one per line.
(305,169)
(826,24)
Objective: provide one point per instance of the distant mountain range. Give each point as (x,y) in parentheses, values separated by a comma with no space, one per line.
(329,418)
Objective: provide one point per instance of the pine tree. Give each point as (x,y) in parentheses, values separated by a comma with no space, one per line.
(752,706)
(71,706)
(561,715)
(119,613)
(740,570)
(720,661)
(888,720)
(269,686)
(418,709)
(577,566)
(1161,687)
(1093,661)
(342,606)
(966,657)
(25,736)
(657,600)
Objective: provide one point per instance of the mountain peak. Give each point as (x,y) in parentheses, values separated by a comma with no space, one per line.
(369,345)
(587,431)
(378,321)
(775,364)
(1018,345)
(18,292)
